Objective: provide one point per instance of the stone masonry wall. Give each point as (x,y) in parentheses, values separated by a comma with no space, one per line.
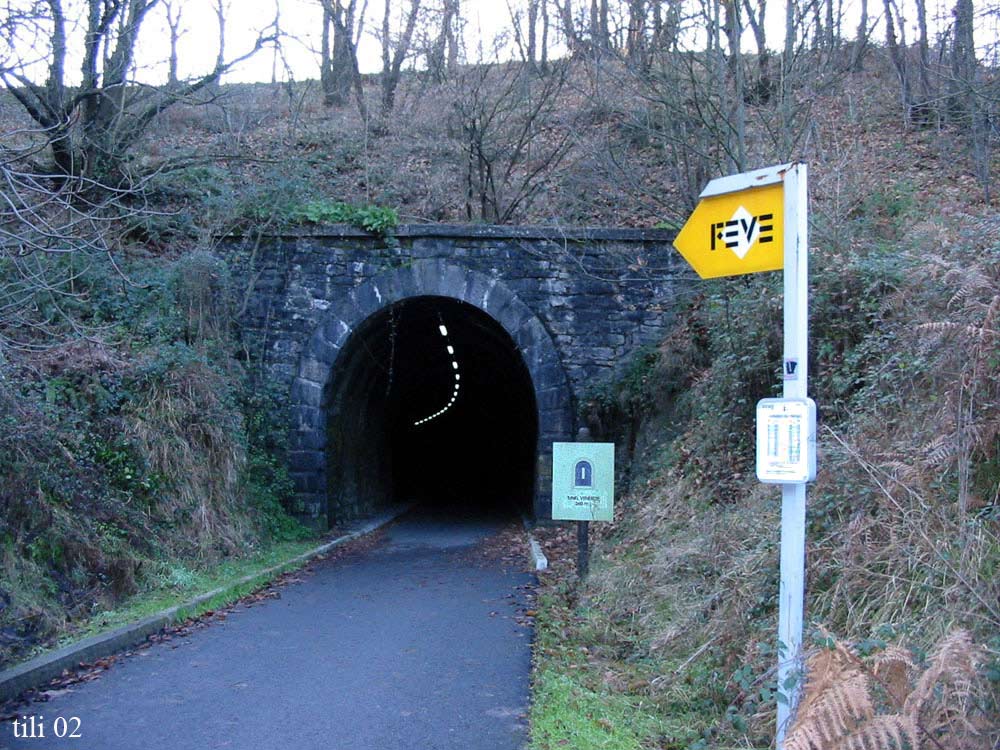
(599,294)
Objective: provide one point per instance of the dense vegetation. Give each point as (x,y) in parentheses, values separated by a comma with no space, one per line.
(141,443)
(135,454)
(679,615)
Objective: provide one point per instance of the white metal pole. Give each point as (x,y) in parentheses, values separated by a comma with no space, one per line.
(793,496)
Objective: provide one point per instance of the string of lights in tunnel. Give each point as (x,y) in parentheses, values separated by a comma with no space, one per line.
(458,378)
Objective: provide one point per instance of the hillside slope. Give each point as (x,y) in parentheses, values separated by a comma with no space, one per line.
(678,615)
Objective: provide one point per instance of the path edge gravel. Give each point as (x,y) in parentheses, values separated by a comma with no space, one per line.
(38,671)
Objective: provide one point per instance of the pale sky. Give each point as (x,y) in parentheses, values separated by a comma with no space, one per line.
(484,19)
(301,21)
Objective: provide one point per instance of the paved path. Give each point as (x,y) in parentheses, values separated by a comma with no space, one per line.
(412,644)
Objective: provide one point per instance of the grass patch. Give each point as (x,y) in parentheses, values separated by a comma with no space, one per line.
(180,585)
(583,697)
(567,713)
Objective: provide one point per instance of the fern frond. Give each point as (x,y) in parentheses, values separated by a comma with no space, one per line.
(948,678)
(825,718)
(893,668)
(824,668)
(943,448)
(983,433)
(948,326)
(991,314)
(886,732)
(940,326)
(940,450)
(971,282)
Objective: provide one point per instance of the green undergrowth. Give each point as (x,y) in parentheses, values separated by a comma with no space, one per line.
(579,705)
(183,584)
(202,202)
(587,718)
(136,461)
(678,617)
(376,219)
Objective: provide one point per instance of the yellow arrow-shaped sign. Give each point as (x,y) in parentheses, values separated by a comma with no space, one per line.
(735,233)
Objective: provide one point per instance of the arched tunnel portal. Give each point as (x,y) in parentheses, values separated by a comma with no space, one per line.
(446,392)
(431,402)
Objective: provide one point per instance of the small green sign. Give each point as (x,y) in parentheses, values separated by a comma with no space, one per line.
(583,481)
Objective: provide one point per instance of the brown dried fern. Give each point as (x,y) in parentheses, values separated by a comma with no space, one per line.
(836,713)
(882,733)
(939,702)
(835,702)
(893,669)
(934,710)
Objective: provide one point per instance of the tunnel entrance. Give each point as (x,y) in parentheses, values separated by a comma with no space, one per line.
(430,401)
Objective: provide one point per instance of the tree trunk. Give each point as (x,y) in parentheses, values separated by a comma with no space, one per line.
(276,52)
(599,35)
(831,27)
(343,63)
(924,102)
(963,64)
(734,32)
(636,40)
(455,20)
(532,33)
(338,64)
(605,27)
(444,53)
(860,40)
(760,91)
(734,29)
(573,41)
(898,59)
(103,149)
(174,29)
(326,62)
(787,105)
(394,56)
(545,36)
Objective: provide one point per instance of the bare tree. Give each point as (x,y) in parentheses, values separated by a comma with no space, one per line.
(972,102)
(788,71)
(501,114)
(173,10)
(761,90)
(221,7)
(860,39)
(636,38)
(334,94)
(574,37)
(339,57)
(733,26)
(964,67)
(526,37)
(442,57)
(51,232)
(897,53)
(544,62)
(395,49)
(90,128)
(600,30)
(924,103)
(533,6)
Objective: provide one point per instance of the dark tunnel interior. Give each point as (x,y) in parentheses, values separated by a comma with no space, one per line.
(431,402)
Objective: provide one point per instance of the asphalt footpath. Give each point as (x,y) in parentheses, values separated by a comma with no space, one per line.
(412,642)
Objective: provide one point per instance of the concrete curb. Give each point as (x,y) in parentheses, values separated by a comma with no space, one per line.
(38,671)
(538,558)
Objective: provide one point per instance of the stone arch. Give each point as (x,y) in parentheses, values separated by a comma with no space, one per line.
(425,278)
